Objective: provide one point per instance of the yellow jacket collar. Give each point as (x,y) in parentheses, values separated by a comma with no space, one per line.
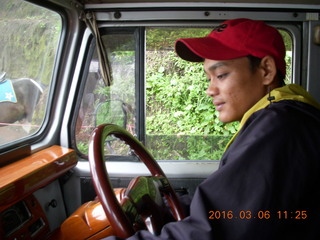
(288,92)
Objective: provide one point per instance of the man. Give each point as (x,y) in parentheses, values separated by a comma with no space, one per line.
(267,186)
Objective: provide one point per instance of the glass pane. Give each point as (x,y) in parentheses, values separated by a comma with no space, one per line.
(114,104)
(28,42)
(288,41)
(181,121)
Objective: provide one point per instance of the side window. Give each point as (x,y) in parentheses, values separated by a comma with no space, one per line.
(172,115)
(28,42)
(288,41)
(110,104)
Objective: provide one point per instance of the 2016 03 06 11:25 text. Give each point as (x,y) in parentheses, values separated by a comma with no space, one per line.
(263,215)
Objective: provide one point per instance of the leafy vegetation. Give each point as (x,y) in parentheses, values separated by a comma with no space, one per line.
(182,122)
(29,40)
(176,99)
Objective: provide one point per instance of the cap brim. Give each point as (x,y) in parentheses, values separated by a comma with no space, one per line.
(198,49)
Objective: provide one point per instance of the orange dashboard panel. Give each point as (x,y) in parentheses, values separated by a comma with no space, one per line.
(19,179)
(87,222)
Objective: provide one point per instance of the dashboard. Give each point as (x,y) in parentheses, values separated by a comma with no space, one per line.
(24,220)
(24,215)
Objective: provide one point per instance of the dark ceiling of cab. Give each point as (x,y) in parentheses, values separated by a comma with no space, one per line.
(206,1)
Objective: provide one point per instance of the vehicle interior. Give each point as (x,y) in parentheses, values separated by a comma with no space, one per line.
(102,126)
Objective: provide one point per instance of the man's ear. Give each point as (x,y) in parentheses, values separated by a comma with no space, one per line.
(268,69)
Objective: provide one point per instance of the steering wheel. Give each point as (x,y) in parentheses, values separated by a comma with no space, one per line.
(142,205)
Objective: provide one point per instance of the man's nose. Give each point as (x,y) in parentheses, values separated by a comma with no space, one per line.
(212,90)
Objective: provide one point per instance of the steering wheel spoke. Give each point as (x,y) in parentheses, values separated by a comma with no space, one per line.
(144,205)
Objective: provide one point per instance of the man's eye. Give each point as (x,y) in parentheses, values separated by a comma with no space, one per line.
(221,76)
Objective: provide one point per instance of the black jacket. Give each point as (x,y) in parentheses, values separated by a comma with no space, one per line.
(268,183)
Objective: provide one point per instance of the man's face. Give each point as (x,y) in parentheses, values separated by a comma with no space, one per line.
(234,87)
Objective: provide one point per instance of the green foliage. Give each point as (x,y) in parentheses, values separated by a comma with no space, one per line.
(164,38)
(110,112)
(176,98)
(178,110)
(29,40)
(178,107)
(183,147)
(83,147)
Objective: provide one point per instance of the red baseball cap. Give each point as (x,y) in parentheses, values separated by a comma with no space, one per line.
(234,39)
